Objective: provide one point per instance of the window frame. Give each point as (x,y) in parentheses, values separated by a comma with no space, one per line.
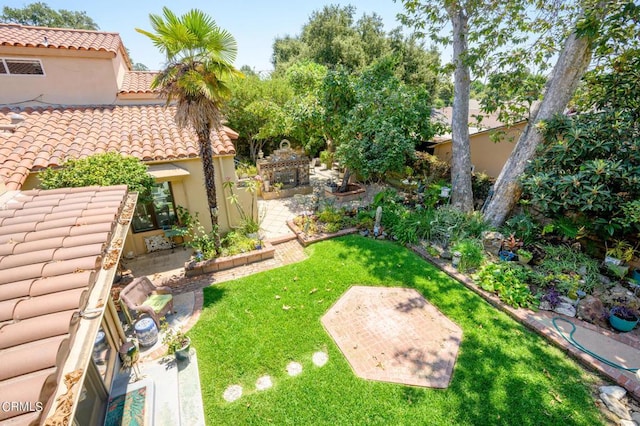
(150,207)
(3,64)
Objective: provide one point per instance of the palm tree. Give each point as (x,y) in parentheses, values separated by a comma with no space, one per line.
(200,58)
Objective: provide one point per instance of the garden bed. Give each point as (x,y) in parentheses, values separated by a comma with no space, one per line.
(193,268)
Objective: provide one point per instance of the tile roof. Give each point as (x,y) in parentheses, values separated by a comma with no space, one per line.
(138,82)
(48,136)
(58,38)
(52,245)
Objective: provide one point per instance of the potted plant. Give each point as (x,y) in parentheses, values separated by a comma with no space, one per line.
(178,343)
(524,256)
(623,318)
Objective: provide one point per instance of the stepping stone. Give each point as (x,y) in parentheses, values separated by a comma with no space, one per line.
(264,383)
(294,368)
(232,393)
(320,358)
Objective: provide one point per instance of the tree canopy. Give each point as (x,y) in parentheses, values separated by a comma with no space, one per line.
(41,15)
(381,119)
(334,38)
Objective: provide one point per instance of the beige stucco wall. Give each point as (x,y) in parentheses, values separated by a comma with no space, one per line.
(487,156)
(68,80)
(189,192)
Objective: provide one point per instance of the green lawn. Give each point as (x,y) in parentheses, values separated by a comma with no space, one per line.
(504,373)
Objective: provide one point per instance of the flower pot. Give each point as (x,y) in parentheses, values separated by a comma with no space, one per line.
(506,255)
(524,259)
(619,318)
(635,275)
(182,354)
(618,270)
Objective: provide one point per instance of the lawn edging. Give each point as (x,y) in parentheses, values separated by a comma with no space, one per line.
(192,268)
(525,317)
(306,241)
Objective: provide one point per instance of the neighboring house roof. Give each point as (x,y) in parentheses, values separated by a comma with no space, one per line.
(49,136)
(138,82)
(52,246)
(58,38)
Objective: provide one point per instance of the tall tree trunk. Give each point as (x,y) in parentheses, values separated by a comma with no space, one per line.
(206,156)
(571,65)
(462,195)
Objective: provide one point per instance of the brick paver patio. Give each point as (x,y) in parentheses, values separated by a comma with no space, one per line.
(394,335)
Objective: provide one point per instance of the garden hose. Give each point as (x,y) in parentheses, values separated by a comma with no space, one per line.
(573,342)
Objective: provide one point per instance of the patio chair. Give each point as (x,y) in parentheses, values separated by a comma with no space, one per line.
(141,296)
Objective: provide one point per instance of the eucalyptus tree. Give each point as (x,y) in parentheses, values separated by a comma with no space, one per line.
(606,26)
(485,36)
(200,58)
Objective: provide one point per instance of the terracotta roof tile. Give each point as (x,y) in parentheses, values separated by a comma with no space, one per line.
(58,38)
(138,82)
(50,135)
(27,388)
(46,274)
(41,353)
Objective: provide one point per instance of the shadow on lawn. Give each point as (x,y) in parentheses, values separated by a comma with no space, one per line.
(504,374)
(212,295)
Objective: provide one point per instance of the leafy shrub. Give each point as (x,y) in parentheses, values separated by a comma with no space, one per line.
(201,241)
(588,167)
(326,158)
(564,267)
(105,169)
(330,215)
(332,227)
(474,225)
(523,226)
(472,253)
(406,229)
(235,243)
(430,166)
(509,280)
(246,169)
(481,184)
(448,224)
(365,219)
(566,227)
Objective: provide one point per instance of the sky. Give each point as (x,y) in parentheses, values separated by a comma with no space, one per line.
(255,24)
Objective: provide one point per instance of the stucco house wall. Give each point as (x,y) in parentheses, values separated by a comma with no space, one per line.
(486,156)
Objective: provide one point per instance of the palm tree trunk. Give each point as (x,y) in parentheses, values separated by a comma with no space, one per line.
(206,156)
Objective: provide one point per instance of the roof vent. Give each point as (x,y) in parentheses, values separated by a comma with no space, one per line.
(16,118)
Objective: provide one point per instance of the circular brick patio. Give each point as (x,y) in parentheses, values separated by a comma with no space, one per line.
(394,335)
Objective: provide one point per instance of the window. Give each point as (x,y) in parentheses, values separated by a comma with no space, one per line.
(158,214)
(21,66)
